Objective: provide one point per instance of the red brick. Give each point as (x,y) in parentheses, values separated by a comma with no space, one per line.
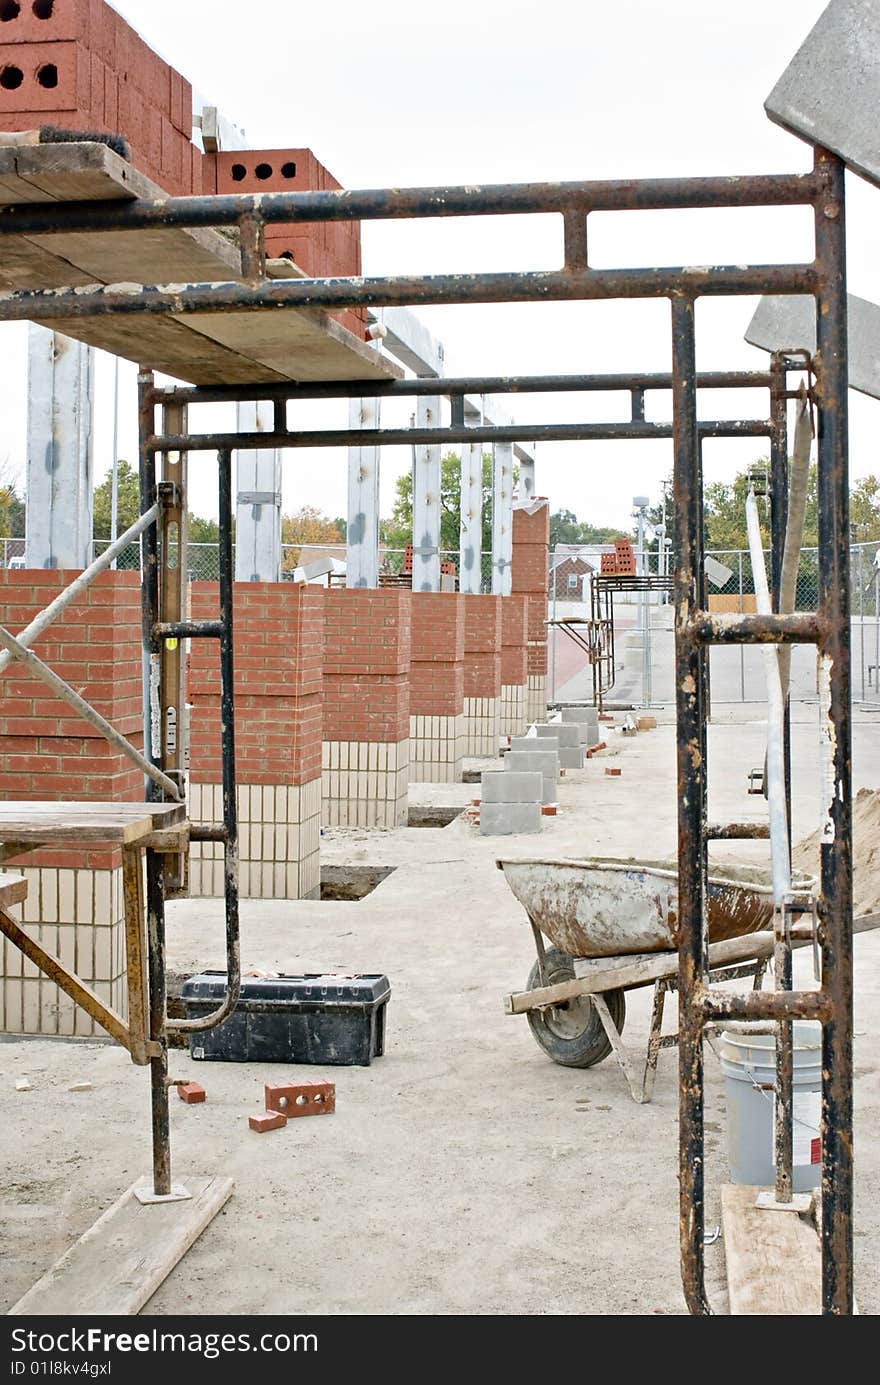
(191,1092)
(266,1121)
(69,19)
(71,90)
(301,1098)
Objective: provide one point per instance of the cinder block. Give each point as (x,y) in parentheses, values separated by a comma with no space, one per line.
(531,744)
(520,761)
(267,1120)
(511,787)
(503,819)
(571,757)
(582,716)
(301,1098)
(569,737)
(191,1092)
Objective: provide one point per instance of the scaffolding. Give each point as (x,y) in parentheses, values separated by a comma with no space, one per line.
(164,450)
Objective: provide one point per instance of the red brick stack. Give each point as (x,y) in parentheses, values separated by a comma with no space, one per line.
(78,65)
(514,641)
(321,248)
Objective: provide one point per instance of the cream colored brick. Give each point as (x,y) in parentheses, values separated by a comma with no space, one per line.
(11,1019)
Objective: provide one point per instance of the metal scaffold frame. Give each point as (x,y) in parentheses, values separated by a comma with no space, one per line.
(696,630)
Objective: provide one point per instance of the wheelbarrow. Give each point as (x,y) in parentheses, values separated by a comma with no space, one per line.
(612,926)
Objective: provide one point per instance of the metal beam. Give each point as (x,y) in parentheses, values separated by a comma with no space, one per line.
(471,531)
(426,503)
(59,451)
(362,544)
(258,508)
(502,518)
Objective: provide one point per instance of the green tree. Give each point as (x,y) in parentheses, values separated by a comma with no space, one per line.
(565,527)
(128,497)
(203,530)
(397,531)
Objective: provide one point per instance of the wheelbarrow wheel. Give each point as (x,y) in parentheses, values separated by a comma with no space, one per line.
(572,1033)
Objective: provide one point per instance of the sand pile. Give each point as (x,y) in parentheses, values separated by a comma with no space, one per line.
(866,852)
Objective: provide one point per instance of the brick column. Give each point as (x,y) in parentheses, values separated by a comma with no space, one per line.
(531,546)
(74,905)
(437,723)
(482,673)
(365,757)
(279,629)
(514,664)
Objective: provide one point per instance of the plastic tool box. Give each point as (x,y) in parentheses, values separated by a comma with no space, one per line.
(327,1019)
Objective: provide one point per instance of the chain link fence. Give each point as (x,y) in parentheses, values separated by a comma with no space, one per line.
(644,639)
(204,566)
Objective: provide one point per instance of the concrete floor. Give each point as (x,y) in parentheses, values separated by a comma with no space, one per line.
(463,1172)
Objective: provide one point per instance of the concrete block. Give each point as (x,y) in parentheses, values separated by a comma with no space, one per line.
(521,761)
(528,743)
(571,757)
(511,787)
(503,819)
(568,736)
(588,716)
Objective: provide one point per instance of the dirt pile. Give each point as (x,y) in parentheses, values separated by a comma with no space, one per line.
(866,852)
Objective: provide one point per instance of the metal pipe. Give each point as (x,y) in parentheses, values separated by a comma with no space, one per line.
(455,385)
(835,901)
(369,204)
(79,584)
(227,738)
(396,437)
(159,1062)
(87,711)
(779,846)
(100,300)
(692,930)
(802,628)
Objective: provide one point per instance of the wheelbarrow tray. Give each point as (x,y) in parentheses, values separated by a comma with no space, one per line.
(605,907)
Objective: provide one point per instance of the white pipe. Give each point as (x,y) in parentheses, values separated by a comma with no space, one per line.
(794,529)
(775,717)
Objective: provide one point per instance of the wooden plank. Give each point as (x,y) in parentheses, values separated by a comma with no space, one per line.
(299,343)
(82,823)
(204,349)
(13,889)
(119,1263)
(774,1262)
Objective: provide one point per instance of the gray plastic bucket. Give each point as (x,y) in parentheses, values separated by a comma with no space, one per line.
(748,1063)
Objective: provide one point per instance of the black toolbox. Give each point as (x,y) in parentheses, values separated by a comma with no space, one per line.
(338,1020)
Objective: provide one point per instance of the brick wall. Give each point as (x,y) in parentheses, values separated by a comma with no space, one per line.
(278,640)
(78,65)
(514,640)
(437,668)
(47,752)
(367,652)
(482,645)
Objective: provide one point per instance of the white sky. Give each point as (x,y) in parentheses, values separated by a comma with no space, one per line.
(397,94)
